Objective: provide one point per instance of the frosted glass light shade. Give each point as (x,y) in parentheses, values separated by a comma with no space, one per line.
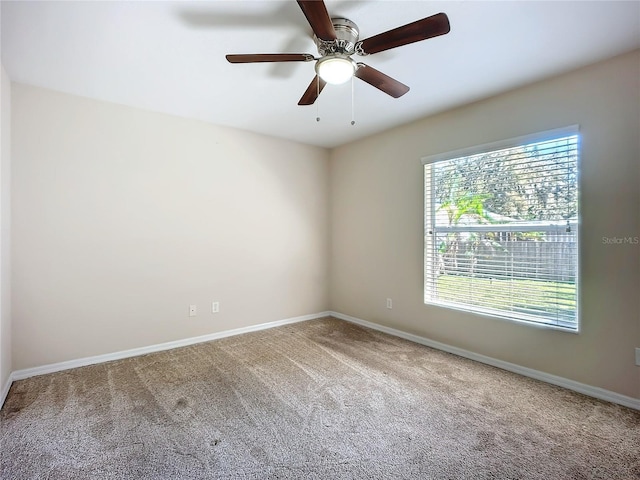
(335,70)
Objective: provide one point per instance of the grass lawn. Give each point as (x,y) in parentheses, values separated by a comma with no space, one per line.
(525,296)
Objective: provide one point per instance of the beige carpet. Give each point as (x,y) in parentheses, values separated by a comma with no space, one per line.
(323,399)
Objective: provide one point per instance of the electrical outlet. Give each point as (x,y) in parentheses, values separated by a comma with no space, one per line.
(389,303)
(215,307)
(638,357)
(192,310)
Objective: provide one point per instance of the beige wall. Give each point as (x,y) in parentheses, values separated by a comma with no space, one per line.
(123,218)
(5,230)
(377,225)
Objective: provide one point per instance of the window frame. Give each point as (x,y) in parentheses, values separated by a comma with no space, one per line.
(520,141)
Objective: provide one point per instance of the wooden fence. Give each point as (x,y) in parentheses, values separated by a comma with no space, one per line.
(550,256)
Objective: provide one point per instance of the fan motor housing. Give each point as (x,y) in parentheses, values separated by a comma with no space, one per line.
(347,33)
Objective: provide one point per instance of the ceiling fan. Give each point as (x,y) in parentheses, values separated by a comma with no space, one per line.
(337,40)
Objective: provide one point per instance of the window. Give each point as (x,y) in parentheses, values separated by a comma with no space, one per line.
(501,229)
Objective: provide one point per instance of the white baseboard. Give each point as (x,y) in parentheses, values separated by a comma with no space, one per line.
(5,389)
(82,362)
(596,392)
(512,367)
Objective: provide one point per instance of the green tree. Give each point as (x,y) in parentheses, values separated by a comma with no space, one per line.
(470,206)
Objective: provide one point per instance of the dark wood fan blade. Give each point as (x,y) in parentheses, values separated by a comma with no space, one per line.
(381,81)
(270,57)
(429,27)
(318,18)
(312,92)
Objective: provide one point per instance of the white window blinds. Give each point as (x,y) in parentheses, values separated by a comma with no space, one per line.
(501,229)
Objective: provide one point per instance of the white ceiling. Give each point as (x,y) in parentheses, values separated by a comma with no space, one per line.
(169,57)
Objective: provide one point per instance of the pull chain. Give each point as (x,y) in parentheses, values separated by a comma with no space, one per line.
(353,120)
(353,108)
(317,96)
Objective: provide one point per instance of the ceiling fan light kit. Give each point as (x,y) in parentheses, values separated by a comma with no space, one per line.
(337,39)
(335,65)
(335,68)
